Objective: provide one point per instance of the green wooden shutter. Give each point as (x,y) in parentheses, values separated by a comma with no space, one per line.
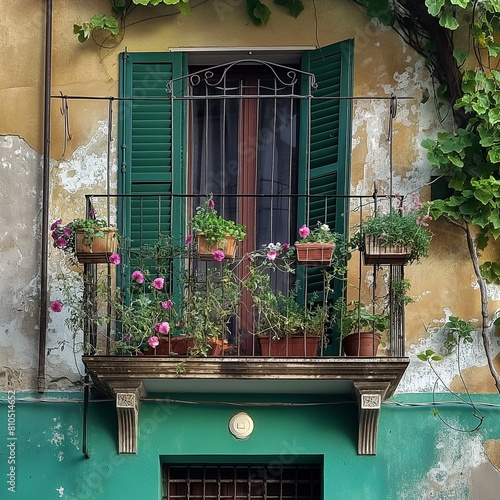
(152,137)
(325,146)
(327,170)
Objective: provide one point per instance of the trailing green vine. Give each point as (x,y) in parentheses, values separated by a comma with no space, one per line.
(258,12)
(457,332)
(469,156)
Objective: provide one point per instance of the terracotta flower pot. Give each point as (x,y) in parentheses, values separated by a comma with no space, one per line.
(182,346)
(100,249)
(376,253)
(174,345)
(289,346)
(206,251)
(314,254)
(361,344)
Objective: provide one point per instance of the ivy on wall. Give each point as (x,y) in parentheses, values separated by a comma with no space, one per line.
(258,12)
(469,156)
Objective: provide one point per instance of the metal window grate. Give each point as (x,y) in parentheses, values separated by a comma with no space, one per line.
(242,482)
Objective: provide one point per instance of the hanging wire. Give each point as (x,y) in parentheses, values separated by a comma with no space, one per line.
(393,108)
(65,113)
(465,399)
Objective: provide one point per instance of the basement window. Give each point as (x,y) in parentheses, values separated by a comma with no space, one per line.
(270,481)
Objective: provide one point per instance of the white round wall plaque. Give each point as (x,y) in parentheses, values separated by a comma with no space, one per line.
(241,425)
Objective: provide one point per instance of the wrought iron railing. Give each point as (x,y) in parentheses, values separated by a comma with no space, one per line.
(165,299)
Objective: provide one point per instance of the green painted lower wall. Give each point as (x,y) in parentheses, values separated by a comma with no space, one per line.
(418,456)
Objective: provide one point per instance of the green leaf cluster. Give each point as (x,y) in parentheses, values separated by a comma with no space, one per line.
(395,228)
(99,21)
(470,158)
(356,317)
(457,330)
(214,227)
(260,13)
(429,355)
(321,233)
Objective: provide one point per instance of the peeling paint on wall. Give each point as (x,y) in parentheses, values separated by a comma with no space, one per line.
(492,451)
(20,173)
(458,455)
(57,438)
(419,377)
(86,169)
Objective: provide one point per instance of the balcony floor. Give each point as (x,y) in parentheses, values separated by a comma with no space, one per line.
(326,375)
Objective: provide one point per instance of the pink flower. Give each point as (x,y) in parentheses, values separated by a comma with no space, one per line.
(158,283)
(56,306)
(416,201)
(250,257)
(91,213)
(285,247)
(138,276)
(163,327)
(128,337)
(167,304)
(219,255)
(153,341)
(61,242)
(422,220)
(211,203)
(114,258)
(67,232)
(304,231)
(272,255)
(55,235)
(55,224)
(189,239)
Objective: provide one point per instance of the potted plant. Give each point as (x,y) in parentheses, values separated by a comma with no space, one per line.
(398,237)
(284,326)
(360,328)
(150,323)
(145,316)
(316,248)
(171,310)
(288,328)
(211,300)
(89,240)
(216,236)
